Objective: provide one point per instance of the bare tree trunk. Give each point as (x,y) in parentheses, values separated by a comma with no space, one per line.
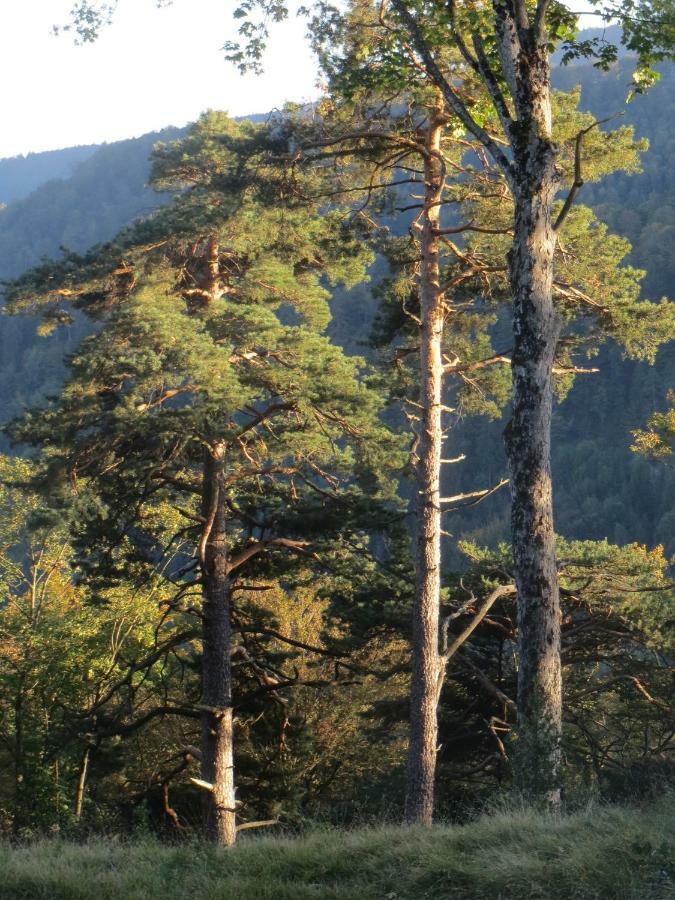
(217,725)
(19,812)
(528,435)
(426,661)
(81,782)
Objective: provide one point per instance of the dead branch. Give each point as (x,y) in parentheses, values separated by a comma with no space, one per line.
(263,823)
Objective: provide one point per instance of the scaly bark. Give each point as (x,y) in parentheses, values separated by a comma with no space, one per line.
(528,435)
(217,726)
(212,274)
(426,661)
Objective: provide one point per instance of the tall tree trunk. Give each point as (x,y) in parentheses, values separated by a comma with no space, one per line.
(522,41)
(528,435)
(426,661)
(217,725)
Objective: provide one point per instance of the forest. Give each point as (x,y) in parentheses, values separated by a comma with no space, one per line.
(336,477)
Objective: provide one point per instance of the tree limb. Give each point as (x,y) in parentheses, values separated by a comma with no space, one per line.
(578,182)
(501,591)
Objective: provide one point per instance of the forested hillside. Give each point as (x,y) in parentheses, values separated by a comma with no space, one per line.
(103,192)
(21,175)
(85,196)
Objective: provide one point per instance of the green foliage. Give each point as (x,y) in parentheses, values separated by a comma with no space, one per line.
(658,440)
(602,490)
(638,207)
(59,653)
(106,190)
(611,486)
(648,31)
(617,631)
(177,360)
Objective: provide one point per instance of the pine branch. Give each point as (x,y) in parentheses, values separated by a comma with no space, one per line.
(578,182)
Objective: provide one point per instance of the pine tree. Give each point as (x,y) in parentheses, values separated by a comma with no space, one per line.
(209,389)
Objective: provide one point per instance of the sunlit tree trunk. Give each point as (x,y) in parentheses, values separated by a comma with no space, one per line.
(217,724)
(426,662)
(81,782)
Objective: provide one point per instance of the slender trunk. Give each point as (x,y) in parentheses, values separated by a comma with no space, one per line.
(21,812)
(528,439)
(81,782)
(217,726)
(426,662)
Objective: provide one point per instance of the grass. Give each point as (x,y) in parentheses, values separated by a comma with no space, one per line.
(605,853)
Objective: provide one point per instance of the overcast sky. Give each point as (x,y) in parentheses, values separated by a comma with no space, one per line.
(150,69)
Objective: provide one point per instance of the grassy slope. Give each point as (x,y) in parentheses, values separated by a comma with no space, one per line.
(613,854)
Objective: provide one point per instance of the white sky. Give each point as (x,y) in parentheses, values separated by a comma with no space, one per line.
(151,68)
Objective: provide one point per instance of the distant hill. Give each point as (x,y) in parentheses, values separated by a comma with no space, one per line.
(20,175)
(104,191)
